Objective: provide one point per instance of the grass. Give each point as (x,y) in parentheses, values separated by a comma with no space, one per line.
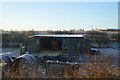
(100,67)
(2,64)
(96,69)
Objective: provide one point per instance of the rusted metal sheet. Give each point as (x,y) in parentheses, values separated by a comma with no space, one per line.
(10,54)
(8,59)
(24,62)
(27,57)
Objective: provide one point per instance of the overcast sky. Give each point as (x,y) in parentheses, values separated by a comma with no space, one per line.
(59,15)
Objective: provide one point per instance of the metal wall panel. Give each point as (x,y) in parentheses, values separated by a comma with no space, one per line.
(79,45)
(33,45)
(69,45)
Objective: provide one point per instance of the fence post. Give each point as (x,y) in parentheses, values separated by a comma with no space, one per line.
(22,49)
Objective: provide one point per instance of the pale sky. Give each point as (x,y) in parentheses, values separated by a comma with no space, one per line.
(58,15)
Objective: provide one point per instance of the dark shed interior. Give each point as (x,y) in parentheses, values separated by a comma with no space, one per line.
(51,44)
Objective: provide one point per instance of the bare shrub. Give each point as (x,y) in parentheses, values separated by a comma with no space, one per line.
(102,68)
(25,70)
(99,67)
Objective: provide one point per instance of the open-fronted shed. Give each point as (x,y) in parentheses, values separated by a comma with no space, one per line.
(64,43)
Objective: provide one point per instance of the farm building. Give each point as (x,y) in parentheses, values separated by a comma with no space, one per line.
(63,43)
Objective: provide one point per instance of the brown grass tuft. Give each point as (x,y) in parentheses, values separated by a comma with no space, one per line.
(101,68)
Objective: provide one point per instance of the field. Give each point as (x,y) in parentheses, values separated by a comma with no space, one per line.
(103,65)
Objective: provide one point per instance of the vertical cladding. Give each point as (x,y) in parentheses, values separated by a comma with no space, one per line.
(88,45)
(33,45)
(83,45)
(69,45)
(79,45)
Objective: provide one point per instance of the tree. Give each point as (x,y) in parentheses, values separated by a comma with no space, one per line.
(30,33)
(115,37)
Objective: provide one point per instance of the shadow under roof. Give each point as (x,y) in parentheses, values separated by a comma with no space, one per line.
(62,36)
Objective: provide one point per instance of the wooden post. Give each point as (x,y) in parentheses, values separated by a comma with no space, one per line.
(22,49)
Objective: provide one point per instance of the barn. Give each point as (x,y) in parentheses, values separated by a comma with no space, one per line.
(65,43)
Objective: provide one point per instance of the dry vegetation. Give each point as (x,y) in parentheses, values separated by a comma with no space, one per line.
(102,68)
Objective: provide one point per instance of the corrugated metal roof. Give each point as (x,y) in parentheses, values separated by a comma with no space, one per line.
(58,36)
